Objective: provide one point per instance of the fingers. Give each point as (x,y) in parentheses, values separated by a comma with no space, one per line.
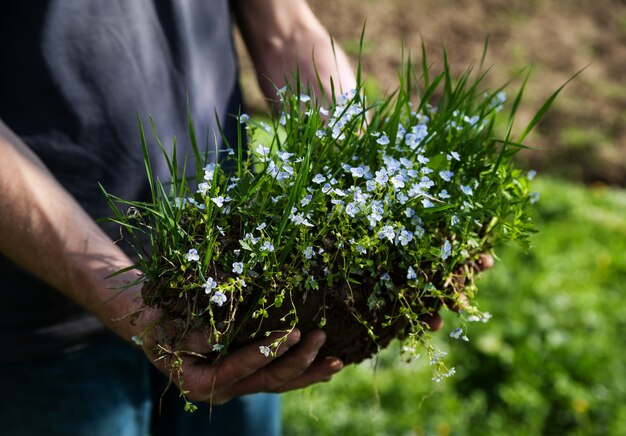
(247,360)
(433,320)
(485,261)
(198,341)
(320,371)
(294,370)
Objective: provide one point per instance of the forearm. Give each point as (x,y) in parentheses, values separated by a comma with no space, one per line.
(284,34)
(44,230)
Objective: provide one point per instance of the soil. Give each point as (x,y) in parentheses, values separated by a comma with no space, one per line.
(582,137)
(357,326)
(344,309)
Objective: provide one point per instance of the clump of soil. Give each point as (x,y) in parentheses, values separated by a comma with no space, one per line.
(357,323)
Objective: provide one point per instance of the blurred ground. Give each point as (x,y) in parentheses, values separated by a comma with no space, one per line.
(583,137)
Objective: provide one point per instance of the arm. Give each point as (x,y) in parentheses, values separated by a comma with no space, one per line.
(283,34)
(45,231)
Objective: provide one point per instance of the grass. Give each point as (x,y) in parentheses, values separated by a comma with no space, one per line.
(551,361)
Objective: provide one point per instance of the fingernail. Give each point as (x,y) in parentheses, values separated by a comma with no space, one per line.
(335,364)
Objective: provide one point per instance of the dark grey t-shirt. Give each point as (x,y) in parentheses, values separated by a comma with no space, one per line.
(75,74)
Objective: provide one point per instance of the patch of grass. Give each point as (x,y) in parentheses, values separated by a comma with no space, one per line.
(551,361)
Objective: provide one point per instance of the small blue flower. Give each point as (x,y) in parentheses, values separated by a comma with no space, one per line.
(209,285)
(383,140)
(203,188)
(410,274)
(422,159)
(446,250)
(219,201)
(457,333)
(237,267)
(453,155)
(308,252)
(267,246)
(398,181)
(352,209)
(467,190)
(319,179)
(192,255)
(357,171)
(219,298)
(405,237)
(306,200)
(387,232)
(446,175)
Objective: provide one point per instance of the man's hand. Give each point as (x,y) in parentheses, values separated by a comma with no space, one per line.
(246,370)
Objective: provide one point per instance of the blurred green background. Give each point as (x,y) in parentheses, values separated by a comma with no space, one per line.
(552,360)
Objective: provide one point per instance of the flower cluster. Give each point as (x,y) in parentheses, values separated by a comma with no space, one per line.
(391,200)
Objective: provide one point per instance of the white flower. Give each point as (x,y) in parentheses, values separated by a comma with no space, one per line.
(261,226)
(308,252)
(467,190)
(453,155)
(410,274)
(319,179)
(443,194)
(217,347)
(203,188)
(381,177)
(192,255)
(209,285)
(446,175)
(423,160)
(264,350)
(324,111)
(405,237)
(304,98)
(454,220)
(219,201)
(427,203)
(387,232)
(397,181)
(209,170)
(243,118)
(306,200)
(383,140)
(457,333)
(446,250)
(357,172)
(219,298)
(352,209)
(267,246)
(531,174)
(263,152)
(284,156)
(237,267)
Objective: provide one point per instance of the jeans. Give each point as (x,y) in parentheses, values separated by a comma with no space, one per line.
(109,388)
